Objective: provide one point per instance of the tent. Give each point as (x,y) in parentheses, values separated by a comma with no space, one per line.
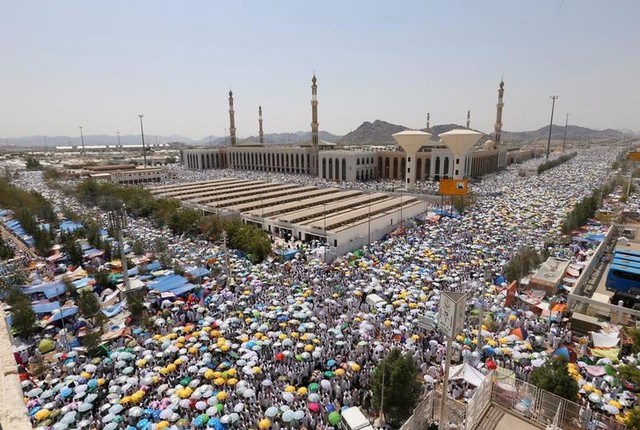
(467,372)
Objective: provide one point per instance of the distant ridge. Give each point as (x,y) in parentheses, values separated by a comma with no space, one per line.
(574,132)
(378,132)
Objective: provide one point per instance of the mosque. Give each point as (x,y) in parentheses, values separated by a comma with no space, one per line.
(353,163)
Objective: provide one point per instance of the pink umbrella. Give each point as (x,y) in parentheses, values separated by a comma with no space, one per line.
(314,407)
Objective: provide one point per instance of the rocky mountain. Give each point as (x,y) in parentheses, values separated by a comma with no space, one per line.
(294,138)
(380,133)
(97,139)
(574,132)
(372,133)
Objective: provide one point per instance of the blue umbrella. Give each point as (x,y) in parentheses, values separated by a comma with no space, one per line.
(66,392)
(331,363)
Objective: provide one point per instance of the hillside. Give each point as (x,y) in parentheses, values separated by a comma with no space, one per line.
(380,133)
(574,132)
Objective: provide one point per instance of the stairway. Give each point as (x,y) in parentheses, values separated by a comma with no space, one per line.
(490,419)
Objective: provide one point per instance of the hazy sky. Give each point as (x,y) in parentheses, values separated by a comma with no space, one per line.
(100,63)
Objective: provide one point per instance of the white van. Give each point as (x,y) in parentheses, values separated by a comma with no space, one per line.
(354,419)
(375,301)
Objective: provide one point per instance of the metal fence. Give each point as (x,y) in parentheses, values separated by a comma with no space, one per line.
(422,415)
(479,404)
(542,406)
(521,398)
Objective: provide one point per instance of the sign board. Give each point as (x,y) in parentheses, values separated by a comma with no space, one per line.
(634,156)
(451,313)
(454,187)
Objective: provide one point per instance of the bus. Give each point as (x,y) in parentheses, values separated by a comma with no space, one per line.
(623,278)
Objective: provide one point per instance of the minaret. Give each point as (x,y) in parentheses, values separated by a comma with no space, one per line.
(232,120)
(469,119)
(428,121)
(314,113)
(260,124)
(498,126)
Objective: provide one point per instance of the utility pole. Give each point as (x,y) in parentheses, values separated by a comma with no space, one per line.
(144,150)
(118,222)
(553,105)
(46,148)
(82,139)
(226,255)
(564,138)
(369,225)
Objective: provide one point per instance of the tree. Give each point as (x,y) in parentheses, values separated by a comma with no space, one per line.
(102,278)
(211,227)
(6,251)
(138,247)
(554,377)
(522,263)
(159,245)
(73,250)
(135,304)
(32,163)
(24,318)
(88,304)
(395,387)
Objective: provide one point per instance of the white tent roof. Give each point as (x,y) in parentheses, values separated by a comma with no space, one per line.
(468,373)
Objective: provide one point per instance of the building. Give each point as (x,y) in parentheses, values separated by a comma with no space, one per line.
(327,161)
(343,219)
(128,174)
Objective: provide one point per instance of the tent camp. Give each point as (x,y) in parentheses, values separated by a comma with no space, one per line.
(467,372)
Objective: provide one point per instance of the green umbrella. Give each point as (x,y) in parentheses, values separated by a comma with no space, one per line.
(185,381)
(334,418)
(329,374)
(313,387)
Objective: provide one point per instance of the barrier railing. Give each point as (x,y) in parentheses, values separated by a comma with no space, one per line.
(542,406)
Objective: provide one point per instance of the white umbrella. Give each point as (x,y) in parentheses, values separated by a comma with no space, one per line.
(288,397)
(84,407)
(288,416)
(271,412)
(298,415)
(201,406)
(136,411)
(238,407)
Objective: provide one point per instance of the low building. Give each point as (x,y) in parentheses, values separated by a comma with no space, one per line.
(549,276)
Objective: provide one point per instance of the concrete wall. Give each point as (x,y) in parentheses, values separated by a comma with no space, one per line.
(13,412)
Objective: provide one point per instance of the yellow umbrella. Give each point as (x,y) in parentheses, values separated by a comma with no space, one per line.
(308,348)
(162,425)
(232,381)
(302,391)
(232,372)
(219,381)
(290,389)
(42,414)
(257,369)
(172,366)
(222,396)
(209,374)
(125,400)
(339,372)
(355,367)
(264,424)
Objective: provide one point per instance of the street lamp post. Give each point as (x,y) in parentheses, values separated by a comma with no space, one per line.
(118,222)
(369,225)
(144,150)
(553,105)
(82,140)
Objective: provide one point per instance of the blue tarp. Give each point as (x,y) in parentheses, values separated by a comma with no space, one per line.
(45,308)
(154,266)
(70,226)
(183,289)
(83,282)
(111,311)
(133,271)
(50,289)
(198,272)
(66,313)
(595,237)
(167,283)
